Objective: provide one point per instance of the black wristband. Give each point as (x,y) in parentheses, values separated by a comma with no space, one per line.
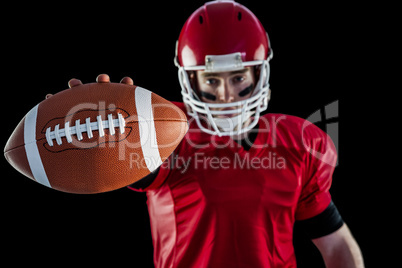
(324,223)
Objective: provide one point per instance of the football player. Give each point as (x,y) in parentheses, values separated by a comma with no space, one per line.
(231,192)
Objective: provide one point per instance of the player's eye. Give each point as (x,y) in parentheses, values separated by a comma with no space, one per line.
(238,79)
(246,91)
(211,81)
(208,96)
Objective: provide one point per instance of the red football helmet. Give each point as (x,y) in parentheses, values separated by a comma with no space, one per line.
(224,36)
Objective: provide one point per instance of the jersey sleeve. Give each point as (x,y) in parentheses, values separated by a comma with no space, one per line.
(320,162)
(152,181)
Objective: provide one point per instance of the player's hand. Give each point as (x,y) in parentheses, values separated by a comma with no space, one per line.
(102,78)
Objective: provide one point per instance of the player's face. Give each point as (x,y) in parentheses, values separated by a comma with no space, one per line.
(225,87)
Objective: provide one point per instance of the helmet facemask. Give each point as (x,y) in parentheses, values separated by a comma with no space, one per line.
(226,119)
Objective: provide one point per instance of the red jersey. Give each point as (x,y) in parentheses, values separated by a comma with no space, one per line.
(214,204)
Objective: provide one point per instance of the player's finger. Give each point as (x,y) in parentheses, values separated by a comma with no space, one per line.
(74,82)
(103,78)
(48,96)
(127,80)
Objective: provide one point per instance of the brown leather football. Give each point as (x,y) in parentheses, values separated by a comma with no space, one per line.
(95,137)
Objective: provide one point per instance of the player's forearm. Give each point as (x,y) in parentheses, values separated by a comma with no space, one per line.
(340,249)
(347,256)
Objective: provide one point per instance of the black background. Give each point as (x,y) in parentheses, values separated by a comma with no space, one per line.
(317,60)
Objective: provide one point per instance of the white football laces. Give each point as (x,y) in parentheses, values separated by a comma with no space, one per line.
(87,127)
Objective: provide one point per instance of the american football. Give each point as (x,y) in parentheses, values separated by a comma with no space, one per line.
(83,140)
